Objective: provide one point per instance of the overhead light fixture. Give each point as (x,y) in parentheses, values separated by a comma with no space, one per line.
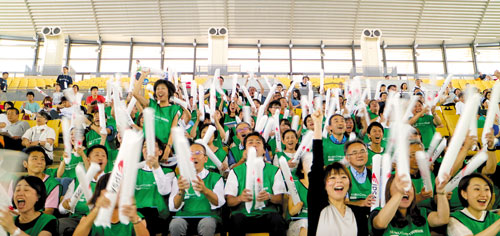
(415,46)
(384,45)
(259,44)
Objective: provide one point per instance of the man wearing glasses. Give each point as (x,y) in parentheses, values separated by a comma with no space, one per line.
(197,214)
(357,156)
(236,152)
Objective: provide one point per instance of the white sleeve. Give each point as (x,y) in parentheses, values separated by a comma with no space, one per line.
(456,228)
(163,181)
(231,184)
(173,193)
(219,191)
(28,134)
(67,195)
(279,184)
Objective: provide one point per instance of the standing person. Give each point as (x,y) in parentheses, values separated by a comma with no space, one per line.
(375,135)
(15,130)
(197,214)
(167,114)
(299,212)
(65,81)
(36,164)
(94,98)
(475,193)
(334,143)
(3,82)
(57,95)
(328,187)
(29,200)
(424,122)
(268,218)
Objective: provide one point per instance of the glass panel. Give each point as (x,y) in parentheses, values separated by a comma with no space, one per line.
(201,52)
(430,68)
(147,52)
(180,65)
(9,52)
(79,51)
(338,66)
(14,65)
(83,65)
(239,53)
(274,53)
(338,54)
(179,52)
(16,42)
(111,51)
(114,66)
(306,66)
(275,66)
(461,67)
(306,54)
(490,54)
(402,67)
(433,54)
(458,54)
(243,65)
(399,54)
(488,68)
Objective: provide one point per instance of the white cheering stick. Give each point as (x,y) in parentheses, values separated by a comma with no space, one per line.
(277,133)
(234,82)
(318,103)
(295,122)
(440,148)
(442,89)
(66,127)
(185,93)
(41,92)
(102,118)
(209,134)
(310,99)
(250,175)
(5,202)
(134,139)
(321,81)
(180,102)
(193,92)
(212,101)
(292,86)
(201,102)
(131,83)
(469,112)
(424,167)
(246,114)
(473,132)
(259,180)
(78,126)
(285,169)
(304,146)
(369,89)
(436,139)
(83,181)
(377,90)
(492,111)
(109,85)
(94,168)
(247,95)
(385,175)
(304,106)
(473,164)
(376,180)
(409,109)
(286,113)
(131,105)
(336,101)
(149,125)
(186,166)
(401,153)
(269,127)
(267,81)
(327,101)
(261,124)
(267,101)
(210,153)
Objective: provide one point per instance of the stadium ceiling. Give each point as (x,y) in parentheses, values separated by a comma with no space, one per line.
(272,21)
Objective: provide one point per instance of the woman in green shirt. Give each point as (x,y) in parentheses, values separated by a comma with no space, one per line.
(298,225)
(291,141)
(29,200)
(402,216)
(137,225)
(167,114)
(475,193)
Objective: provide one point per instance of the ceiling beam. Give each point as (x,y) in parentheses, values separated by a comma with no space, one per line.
(292,10)
(95,18)
(356,20)
(31,16)
(415,35)
(481,20)
(160,17)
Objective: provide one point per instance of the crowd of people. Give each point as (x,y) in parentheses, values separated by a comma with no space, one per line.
(332,179)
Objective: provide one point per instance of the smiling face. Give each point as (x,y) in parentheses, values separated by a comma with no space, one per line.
(25,197)
(290,140)
(40,120)
(256,142)
(309,123)
(35,163)
(376,134)
(478,194)
(337,125)
(204,131)
(357,155)
(374,107)
(349,125)
(98,156)
(407,197)
(418,108)
(414,148)
(198,156)
(337,185)
(161,93)
(242,130)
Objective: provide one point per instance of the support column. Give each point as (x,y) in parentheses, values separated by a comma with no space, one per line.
(445,58)
(68,51)
(130,56)
(384,58)
(290,45)
(35,53)
(474,58)
(258,55)
(99,54)
(162,57)
(415,61)
(194,59)
(353,58)
(322,54)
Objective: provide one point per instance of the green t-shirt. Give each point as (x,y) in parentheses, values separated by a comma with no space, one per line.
(81,208)
(427,129)
(69,169)
(146,192)
(371,154)
(115,230)
(50,184)
(164,116)
(269,173)
(199,206)
(360,191)
(332,152)
(272,144)
(474,225)
(220,154)
(409,229)
(40,223)
(302,190)
(93,138)
(283,154)
(418,182)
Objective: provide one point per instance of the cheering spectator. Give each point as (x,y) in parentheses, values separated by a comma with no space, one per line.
(93,99)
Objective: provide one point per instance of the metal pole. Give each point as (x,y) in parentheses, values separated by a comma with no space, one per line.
(384,58)
(290,57)
(99,54)
(353,57)
(68,51)
(35,53)
(445,58)
(131,55)
(195,45)
(474,57)
(162,57)
(415,62)
(258,56)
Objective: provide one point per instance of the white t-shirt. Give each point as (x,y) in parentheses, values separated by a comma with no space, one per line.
(331,222)
(3,119)
(459,106)
(41,133)
(456,228)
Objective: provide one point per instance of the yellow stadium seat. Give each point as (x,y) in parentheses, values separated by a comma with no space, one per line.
(32,122)
(56,125)
(18,104)
(451,121)
(443,130)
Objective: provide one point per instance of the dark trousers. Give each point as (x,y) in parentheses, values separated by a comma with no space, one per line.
(154,223)
(13,144)
(272,223)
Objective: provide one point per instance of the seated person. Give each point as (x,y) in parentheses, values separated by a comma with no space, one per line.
(4,121)
(41,135)
(93,99)
(30,105)
(268,218)
(29,200)
(35,165)
(197,214)
(236,152)
(14,131)
(57,95)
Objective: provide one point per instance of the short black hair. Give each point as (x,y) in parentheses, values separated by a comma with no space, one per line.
(94,147)
(37,184)
(464,183)
(8,102)
(77,87)
(32,149)
(168,84)
(100,185)
(45,115)
(374,124)
(286,121)
(382,93)
(94,87)
(349,143)
(392,85)
(5,73)
(272,103)
(331,117)
(65,67)
(30,93)
(63,99)
(13,108)
(257,135)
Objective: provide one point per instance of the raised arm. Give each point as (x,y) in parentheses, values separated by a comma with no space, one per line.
(137,90)
(385,215)
(442,215)
(491,163)
(436,120)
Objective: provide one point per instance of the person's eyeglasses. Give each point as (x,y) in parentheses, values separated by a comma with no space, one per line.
(243,129)
(197,153)
(361,152)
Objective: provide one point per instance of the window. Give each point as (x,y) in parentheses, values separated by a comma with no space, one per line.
(458,54)
(147,52)
(461,68)
(402,59)
(274,53)
(16,55)
(488,59)
(306,60)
